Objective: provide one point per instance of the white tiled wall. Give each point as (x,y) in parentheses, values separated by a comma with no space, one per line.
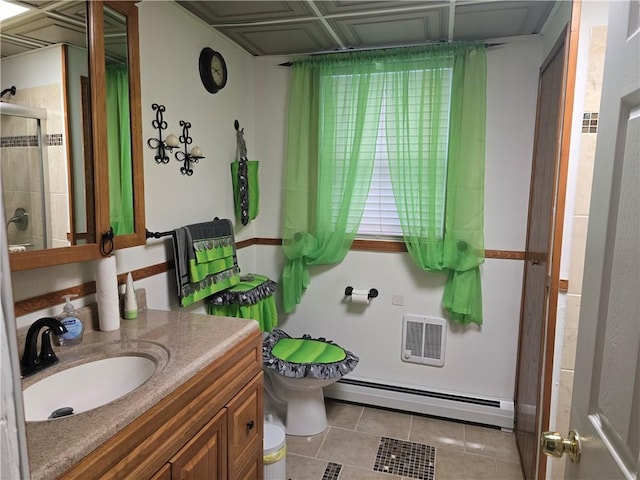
(21,169)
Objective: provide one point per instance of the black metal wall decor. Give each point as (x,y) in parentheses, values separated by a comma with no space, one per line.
(172,142)
(159,144)
(187,157)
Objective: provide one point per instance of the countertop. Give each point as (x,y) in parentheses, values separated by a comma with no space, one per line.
(183,343)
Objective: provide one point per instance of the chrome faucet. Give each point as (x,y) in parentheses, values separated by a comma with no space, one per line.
(32,361)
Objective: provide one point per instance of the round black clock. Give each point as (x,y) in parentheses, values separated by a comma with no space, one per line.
(213,70)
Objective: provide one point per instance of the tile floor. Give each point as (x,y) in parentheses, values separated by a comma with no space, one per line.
(347,450)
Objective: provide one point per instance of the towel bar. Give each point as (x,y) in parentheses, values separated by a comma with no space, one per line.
(157,234)
(163,234)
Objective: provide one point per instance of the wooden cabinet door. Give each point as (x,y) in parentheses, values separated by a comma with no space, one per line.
(163,474)
(253,471)
(204,457)
(245,424)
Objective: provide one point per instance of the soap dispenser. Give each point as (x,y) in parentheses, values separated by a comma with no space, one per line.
(71,322)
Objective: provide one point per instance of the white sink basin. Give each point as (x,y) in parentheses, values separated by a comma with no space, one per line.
(86,386)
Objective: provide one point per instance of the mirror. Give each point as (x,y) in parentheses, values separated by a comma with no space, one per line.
(62,179)
(42,128)
(118,123)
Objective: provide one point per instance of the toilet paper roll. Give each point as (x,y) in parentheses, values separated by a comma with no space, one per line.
(107,294)
(360,296)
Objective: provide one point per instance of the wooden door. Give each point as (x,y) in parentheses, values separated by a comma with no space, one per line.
(205,455)
(605,411)
(542,252)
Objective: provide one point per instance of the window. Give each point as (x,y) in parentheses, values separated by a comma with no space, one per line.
(380,217)
(433,104)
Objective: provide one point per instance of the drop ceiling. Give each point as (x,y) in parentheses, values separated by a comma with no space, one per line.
(308,26)
(50,22)
(303,26)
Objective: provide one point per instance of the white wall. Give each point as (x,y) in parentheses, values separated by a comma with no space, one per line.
(169,76)
(479,361)
(33,69)
(170,44)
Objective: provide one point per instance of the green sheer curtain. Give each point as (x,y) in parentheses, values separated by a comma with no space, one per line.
(422,96)
(330,151)
(439,186)
(119,150)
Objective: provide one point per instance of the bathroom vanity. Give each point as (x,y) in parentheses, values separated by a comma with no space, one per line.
(200,415)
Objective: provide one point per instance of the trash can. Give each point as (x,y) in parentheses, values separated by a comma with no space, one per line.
(274,452)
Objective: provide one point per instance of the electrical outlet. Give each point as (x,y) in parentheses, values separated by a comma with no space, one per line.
(397,300)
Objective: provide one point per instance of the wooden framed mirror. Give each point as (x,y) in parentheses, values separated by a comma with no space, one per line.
(125,175)
(89,39)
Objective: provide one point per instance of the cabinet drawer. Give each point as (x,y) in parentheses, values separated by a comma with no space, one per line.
(245,427)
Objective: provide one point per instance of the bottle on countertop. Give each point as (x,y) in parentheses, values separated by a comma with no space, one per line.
(130,303)
(71,322)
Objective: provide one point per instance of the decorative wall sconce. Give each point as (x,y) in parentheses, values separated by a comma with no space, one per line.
(188,157)
(172,142)
(162,146)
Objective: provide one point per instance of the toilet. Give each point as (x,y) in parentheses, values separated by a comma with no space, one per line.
(296,371)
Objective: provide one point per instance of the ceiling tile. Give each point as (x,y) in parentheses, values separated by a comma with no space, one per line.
(336,7)
(9,48)
(24,33)
(65,24)
(224,12)
(397,29)
(309,26)
(500,19)
(299,37)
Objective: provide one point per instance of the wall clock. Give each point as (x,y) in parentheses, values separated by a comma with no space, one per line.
(213,70)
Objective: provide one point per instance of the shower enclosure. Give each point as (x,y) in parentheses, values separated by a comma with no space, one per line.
(24,169)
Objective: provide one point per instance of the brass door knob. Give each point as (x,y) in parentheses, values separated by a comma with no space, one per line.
(554,445)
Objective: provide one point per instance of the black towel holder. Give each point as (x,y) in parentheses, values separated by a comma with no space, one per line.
(163,234)
(157,234)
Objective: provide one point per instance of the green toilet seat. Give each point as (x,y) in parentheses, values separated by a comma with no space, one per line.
(302,350)
(306,356)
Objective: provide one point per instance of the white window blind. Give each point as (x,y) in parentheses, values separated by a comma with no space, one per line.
(380,217)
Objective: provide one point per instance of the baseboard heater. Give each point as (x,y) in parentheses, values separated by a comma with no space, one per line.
(486,411)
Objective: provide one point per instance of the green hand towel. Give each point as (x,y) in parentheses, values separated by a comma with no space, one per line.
(253,190)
